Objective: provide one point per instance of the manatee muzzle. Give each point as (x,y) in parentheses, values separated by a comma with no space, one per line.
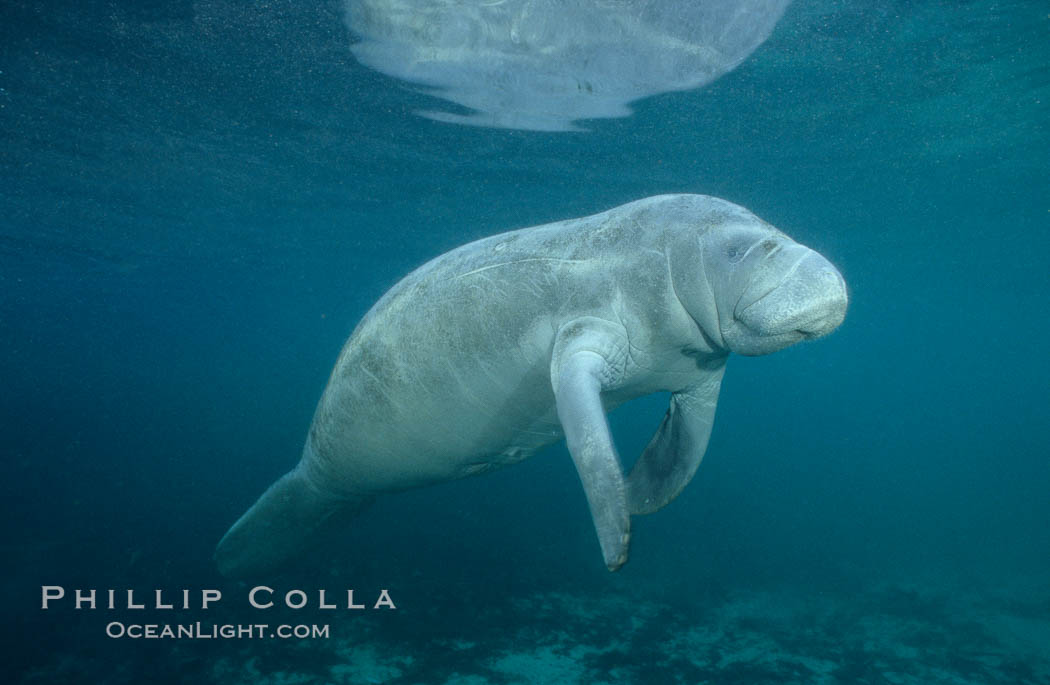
(808,297)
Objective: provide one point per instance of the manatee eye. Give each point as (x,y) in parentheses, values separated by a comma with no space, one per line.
(735,252)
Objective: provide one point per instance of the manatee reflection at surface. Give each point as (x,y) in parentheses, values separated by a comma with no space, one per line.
(542,64)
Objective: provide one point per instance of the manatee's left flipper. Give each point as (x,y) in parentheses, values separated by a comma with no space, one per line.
(589,356)
(673,455)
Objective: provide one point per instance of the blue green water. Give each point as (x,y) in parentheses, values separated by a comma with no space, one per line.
(199,200)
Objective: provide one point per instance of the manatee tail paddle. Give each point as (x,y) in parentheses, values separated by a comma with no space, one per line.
(289,518)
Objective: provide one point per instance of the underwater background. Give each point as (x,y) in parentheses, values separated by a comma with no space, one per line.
(199,200)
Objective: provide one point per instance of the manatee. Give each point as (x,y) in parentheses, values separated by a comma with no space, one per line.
(501,347)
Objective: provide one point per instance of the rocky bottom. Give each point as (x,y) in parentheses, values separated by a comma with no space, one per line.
(887,635)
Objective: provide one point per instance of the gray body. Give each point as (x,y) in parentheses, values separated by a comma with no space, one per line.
(492,351)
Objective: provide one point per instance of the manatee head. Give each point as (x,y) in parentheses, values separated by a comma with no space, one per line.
(762,291)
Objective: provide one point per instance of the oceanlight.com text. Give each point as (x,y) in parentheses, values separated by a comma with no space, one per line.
(206,631)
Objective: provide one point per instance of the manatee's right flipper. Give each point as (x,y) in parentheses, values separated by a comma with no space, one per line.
(289,518)
(673,455)
(588,357)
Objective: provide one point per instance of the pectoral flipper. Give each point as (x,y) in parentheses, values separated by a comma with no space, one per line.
(588,357)
(673,455)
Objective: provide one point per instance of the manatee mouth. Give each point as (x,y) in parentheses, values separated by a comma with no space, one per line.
(748,341)
(812,329)
(819,327)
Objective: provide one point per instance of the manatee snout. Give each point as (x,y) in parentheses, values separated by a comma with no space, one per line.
(820,291)
(808,300)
